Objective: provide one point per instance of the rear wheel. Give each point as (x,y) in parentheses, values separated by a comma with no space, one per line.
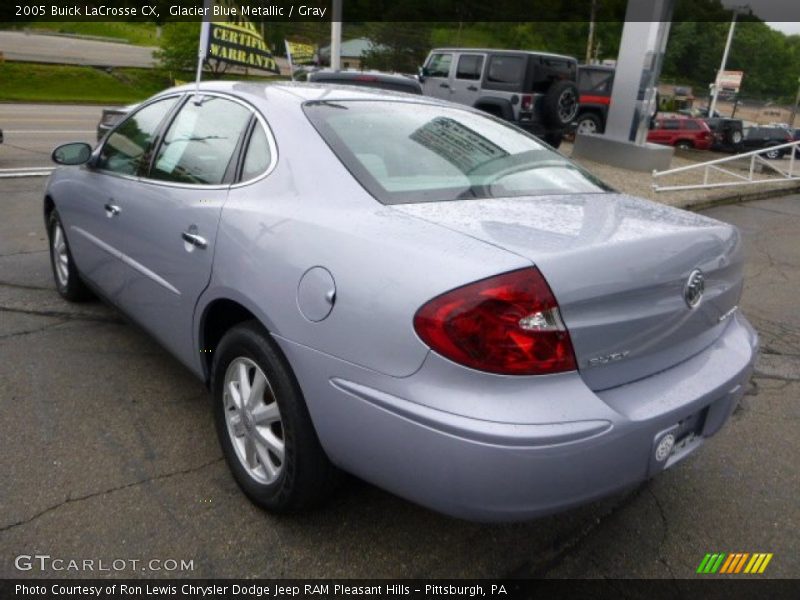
(773,154)
(66,276)
(684,145)
(263,425)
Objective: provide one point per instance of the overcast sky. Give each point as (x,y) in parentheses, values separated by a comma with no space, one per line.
(790,27)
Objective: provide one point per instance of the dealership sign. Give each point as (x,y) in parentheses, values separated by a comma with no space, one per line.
(730,81)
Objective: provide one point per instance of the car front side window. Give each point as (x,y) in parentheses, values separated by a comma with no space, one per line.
(200,143)
(127,146)
(439,65)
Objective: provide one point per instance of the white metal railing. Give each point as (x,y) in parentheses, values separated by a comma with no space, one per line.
(755,157)
(26,172)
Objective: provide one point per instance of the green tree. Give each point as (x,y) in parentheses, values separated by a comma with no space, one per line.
(177,52)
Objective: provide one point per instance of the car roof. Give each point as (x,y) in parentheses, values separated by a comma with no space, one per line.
(503,51)
(349,75)
(301,92)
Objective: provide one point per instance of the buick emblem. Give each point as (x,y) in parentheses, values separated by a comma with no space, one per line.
(695,286)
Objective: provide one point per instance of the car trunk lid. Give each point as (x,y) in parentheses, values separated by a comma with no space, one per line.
(619,268)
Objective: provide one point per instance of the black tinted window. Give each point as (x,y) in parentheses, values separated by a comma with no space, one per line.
(670,124)
(469,66)
(128,145)
(506,69)
(595,81)
(258,154)
(439,65)
(199,143)
(691,125)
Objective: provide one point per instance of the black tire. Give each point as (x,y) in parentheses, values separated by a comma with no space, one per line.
(554,139)
(560,104)
(589,123)
(684,145)
(773,154)
(306,477)
(66,276)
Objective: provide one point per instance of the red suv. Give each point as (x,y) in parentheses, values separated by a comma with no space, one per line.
(681,132)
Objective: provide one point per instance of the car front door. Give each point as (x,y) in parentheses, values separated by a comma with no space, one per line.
(93,213)
(437,75)
(466,82)
(171,226)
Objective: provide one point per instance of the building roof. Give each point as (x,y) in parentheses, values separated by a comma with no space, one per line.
(350,48)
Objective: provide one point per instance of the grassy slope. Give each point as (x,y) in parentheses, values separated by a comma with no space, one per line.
(141,34)
(55,83)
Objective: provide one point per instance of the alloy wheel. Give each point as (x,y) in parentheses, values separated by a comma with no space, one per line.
(254,420)
(58,247)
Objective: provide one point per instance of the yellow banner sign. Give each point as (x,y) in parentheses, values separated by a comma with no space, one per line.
(240,44)
(300,54)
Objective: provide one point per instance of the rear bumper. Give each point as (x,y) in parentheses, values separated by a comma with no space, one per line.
(495,448)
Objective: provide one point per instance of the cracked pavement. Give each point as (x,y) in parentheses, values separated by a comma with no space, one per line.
(109,451)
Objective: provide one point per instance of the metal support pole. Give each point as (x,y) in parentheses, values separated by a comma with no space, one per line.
(722,66)
(336,35)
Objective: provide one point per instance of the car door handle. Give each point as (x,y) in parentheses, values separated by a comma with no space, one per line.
(112,210)
(472,88)
(444,85)
(194,239)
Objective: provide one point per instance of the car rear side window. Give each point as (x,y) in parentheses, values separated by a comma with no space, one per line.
(470,66)
(127,146)
(691,125)
(258,156)
(199,144)
(404,152)
(506,69)
(439,65)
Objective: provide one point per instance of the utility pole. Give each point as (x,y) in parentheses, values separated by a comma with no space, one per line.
(796,102)
(713,106)
(590,40)
(336,35)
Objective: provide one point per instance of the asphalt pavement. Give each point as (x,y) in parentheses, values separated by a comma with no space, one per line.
(109,452)
(67,50)
(31,131)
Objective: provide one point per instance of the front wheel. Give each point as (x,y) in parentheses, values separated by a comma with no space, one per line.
(263,424)
(67,279)
(589,123)
(773,154)
(683,145)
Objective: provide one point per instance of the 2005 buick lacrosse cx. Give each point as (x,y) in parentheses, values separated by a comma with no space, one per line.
(408,290)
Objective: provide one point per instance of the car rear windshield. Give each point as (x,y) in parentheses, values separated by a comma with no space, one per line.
(404,152)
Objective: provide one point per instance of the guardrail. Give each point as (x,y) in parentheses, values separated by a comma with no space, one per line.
(26,172)
(756,157)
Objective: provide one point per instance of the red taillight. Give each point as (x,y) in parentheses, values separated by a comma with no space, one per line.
(527,103)
(508,324)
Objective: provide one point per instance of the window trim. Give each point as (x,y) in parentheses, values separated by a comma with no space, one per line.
(167,122)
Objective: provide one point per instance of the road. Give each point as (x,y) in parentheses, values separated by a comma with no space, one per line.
(16,45)
(31,131)
(109,452)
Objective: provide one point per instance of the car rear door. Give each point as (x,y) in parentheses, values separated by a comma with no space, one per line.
(467,77)
(170,227)
(93,212)
(437,72)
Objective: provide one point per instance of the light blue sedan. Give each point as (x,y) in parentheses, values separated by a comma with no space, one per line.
(408,290)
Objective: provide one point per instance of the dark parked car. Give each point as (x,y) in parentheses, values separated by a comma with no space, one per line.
(681,132)
(594,84)
(536,91)
(728,133)
(757,137)
(110,117)
(371,79)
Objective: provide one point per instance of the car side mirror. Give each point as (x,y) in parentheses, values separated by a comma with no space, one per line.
(74,153)
(422,74)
